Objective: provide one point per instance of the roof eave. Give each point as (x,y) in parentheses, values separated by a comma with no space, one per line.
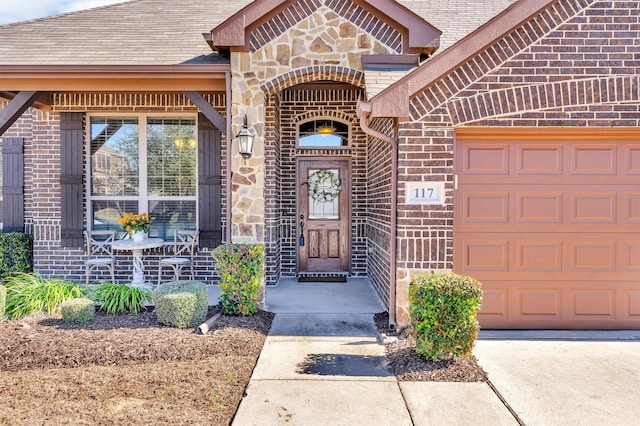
(151,78)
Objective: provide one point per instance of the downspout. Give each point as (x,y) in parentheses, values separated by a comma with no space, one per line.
(363,110)
(229,140)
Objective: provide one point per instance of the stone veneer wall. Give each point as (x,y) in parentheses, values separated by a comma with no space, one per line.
(320,40)
(41,133)
(311,43)
(576,64)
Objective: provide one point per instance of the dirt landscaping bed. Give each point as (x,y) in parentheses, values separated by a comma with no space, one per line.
(125,370)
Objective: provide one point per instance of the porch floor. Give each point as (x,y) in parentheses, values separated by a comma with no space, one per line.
(289,296)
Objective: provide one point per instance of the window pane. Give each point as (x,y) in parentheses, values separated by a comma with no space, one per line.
(107,212)
(114,156)
(323,133)
(325,209)
(171,156)
(171,215)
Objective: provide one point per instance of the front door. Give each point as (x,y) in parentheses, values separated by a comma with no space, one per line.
(324,215)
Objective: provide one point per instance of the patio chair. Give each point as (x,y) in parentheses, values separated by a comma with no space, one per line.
(183,250)
(99,252)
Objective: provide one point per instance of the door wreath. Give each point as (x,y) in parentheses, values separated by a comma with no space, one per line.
(324,185)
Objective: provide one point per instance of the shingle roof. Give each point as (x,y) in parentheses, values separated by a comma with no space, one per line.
(166,32)
(139,32)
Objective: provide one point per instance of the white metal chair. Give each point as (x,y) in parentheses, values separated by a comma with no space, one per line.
(183,251)
(100,252)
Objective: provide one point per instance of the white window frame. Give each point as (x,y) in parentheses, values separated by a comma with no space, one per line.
(143,198)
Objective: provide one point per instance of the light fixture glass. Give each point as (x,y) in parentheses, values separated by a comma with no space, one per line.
(245,141)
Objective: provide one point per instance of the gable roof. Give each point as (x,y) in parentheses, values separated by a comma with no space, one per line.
(233,32)
(393,101)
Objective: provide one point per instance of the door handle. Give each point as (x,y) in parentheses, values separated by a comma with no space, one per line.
(301,230)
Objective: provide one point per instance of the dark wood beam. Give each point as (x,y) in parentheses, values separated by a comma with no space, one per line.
(209,111)
(15,108)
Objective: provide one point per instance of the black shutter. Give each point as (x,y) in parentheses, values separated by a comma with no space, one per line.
(12,185)
(71,143)
(209,183)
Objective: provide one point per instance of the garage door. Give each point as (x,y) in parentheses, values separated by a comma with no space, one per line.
(549,223)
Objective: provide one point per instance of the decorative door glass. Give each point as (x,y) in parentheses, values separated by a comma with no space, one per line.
(324,188)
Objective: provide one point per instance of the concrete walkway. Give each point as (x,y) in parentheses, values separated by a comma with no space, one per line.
(322,365)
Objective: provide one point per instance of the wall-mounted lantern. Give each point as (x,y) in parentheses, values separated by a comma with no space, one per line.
(245,141)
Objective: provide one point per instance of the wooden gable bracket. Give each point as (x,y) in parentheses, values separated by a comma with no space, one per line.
(15,108)
(208,110)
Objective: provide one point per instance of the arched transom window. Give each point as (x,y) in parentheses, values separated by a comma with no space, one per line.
(323,133)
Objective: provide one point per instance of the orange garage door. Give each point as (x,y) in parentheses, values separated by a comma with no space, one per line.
(549,222)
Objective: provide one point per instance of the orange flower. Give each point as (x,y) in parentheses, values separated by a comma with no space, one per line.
(135,222)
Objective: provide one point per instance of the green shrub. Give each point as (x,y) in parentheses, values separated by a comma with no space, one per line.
(31,293)
(16,253)
(443,310)
(78,311)
(181,304)
(3,300)
(240,267)
(117,299)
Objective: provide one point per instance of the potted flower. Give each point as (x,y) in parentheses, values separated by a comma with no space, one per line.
(136,225)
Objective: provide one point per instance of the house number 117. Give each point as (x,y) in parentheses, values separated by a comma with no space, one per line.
(425,193)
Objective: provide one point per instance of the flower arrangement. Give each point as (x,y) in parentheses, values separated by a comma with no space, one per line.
(324,185)
(135,222)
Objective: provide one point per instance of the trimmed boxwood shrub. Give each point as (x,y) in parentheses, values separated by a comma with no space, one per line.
(78,311)
(443,310)
(240,267)
(181,304)
(16,253)
(3,300)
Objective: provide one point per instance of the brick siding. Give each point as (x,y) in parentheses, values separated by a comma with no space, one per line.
(41,133)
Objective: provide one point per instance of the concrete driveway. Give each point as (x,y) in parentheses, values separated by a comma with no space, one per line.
(565,382)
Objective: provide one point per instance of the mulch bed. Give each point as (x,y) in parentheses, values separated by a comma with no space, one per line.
(125,370)
(408,366)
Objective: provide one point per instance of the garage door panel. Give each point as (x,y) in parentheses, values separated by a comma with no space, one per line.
(550,225)
(539,207)
(592,256)
(631,304)
(632,208)
(560,304)
(539,303)
(486,159)
(486,207)
(593,207)
(485,255)
(538,255)
(495,303)
(631,159)
(595,303)
(539,159)
(594,159)
(557,256)
(631,257)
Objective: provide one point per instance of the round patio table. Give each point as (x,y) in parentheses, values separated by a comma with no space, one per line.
(136,248)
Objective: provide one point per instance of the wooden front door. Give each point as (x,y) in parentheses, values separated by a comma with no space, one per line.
(324,215)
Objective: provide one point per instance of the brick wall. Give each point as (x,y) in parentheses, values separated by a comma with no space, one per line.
(288,108)
(40,130)
(574,65)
